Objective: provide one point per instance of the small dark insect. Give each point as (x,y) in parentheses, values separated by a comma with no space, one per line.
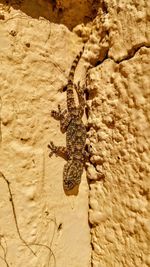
(59,227)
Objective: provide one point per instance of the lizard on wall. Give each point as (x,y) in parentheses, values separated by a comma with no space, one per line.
(71,123)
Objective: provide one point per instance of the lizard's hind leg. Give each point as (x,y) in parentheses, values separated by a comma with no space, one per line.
(58,150)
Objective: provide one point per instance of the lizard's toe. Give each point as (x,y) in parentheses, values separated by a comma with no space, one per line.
(53,113)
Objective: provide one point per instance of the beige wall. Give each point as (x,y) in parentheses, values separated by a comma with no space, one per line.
(108,222)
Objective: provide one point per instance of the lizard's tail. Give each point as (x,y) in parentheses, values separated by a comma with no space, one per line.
(74,65)
(70,96)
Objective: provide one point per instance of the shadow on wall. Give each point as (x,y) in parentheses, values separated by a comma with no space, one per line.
(67,12)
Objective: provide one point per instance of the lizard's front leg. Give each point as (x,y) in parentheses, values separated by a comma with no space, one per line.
(58,115)
(58,151)
(63,116)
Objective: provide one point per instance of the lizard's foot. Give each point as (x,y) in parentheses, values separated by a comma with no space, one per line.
(63,89)
(58,115)
(58,150)
(53,149)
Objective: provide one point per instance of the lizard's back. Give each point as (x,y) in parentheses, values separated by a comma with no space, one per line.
(75,139)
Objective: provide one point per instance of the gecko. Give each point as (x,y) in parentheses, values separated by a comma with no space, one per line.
(71,122)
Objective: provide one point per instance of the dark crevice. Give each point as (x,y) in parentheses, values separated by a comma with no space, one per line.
(58,11)
(104,7)
(131,53)
(87,112)
(87,98)
(99,62)
(88,127)
(86,94)
(100,59)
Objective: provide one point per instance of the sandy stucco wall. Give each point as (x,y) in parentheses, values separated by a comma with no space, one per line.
(119,135)
(119,195)
(34,66)
(113,205)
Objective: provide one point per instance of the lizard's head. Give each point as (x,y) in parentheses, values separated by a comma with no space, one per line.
(72,174)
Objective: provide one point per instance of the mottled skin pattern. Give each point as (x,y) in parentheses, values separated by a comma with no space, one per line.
(71,123)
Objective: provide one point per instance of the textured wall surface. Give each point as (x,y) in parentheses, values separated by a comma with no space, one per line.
(34,66)
(108,222)
(119,196)
(119,134)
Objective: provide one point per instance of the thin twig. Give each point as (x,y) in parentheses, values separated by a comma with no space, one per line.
(50,251)
(50,245)
(14,213)
(4,251)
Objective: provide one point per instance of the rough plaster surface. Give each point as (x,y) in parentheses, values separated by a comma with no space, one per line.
(34,66)
(36,55)
(119,135)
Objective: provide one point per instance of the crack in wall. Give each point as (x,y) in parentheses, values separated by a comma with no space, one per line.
(131,53)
